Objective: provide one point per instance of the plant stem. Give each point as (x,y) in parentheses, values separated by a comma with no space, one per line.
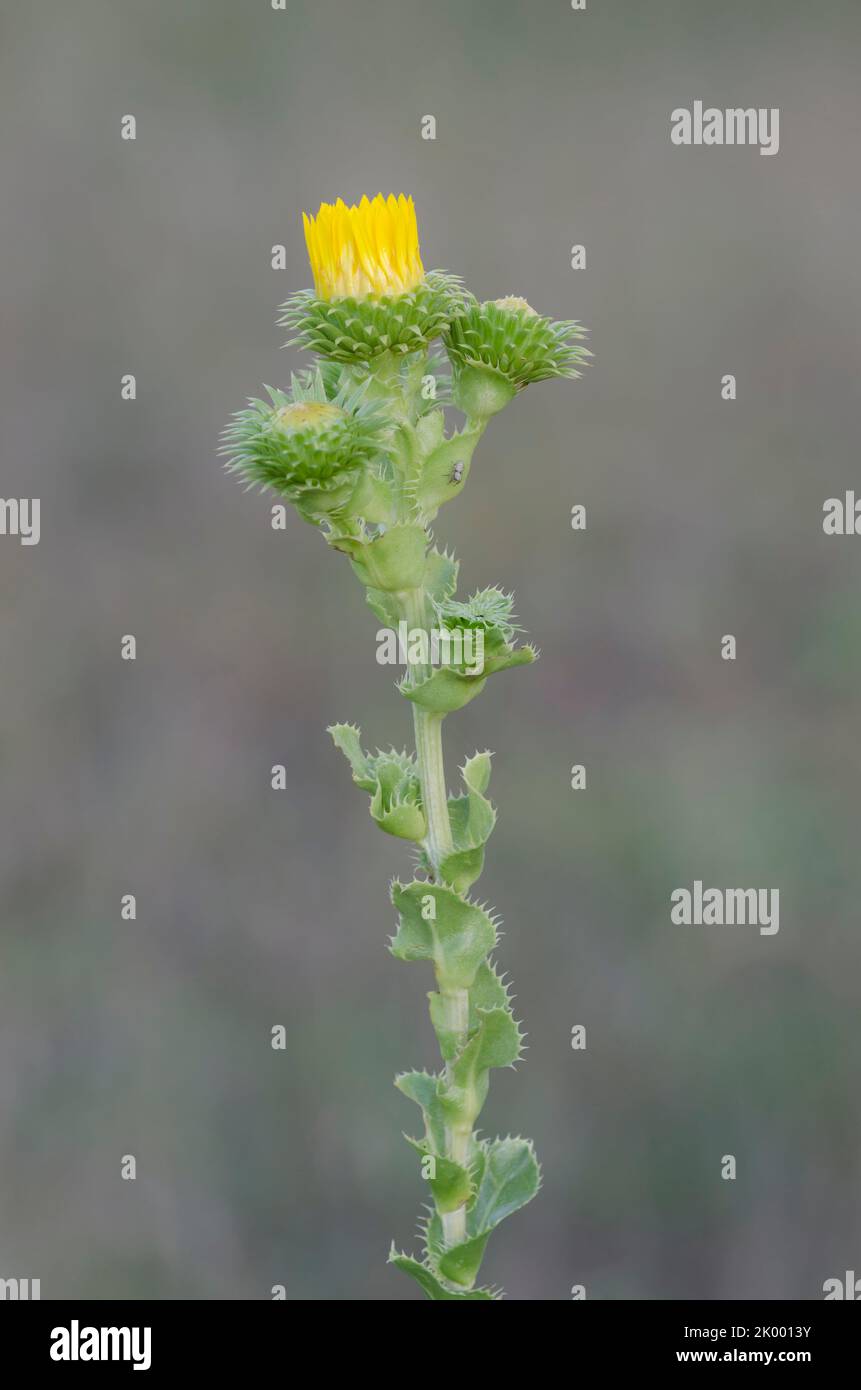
(439,843)
(428,729)
(457,1019)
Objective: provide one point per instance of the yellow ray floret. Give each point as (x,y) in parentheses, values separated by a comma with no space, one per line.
(372,249)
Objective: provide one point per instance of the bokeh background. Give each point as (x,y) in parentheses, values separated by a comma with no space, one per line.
(255,908)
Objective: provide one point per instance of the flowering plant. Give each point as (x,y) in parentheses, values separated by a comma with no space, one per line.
(362,447)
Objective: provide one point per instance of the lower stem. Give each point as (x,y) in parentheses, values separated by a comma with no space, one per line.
(457,1011)
(438,843)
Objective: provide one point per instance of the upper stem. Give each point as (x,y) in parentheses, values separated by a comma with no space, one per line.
(428,729)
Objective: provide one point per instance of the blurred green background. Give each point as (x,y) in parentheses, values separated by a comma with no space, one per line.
(256,908)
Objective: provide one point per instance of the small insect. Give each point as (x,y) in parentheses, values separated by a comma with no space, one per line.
(456,475)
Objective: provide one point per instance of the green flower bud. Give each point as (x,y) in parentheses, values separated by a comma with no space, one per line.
(501,346)
(311,449)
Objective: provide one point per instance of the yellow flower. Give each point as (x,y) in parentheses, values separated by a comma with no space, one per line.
(365,251)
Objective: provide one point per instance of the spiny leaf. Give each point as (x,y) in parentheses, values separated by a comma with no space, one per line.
(464,867)
(423,1088)
(347,737)
(444,691)
(444,472)
(451,1184)
(472,819)
(441,575)
(392,560)
(461,1263)
(438,925)
(495,1043)
(391,778)
(434,1287)
(510,1178)
(486,992)
(476,772)
(501,656)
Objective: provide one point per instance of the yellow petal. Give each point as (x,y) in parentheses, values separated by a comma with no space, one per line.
(364,251)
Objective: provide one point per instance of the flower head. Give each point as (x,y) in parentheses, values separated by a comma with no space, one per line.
(499,347)
(364,251)
(371,295)
(311,449)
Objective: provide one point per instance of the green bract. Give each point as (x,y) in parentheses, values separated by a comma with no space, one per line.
(359,330)
(501,346)
(363,447)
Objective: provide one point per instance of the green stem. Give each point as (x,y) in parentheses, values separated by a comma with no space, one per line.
(428,728)
(457,1140)
(439,843)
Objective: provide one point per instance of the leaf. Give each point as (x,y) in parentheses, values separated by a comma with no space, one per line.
(486,992)
(347,737)
(402,818)
(373,499)
(438,925)
(423,1088)
(391,778)
(472,819)
(504,659)
(444,691)
(444,472)
(500,654)
(461,1263)
(510,1179)
(430,430)
(433,1287)
(392,561)
(451,1184)
(441,575)
(476,772)
(462,868)
(385,606)
(495,1043)
(395,805)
